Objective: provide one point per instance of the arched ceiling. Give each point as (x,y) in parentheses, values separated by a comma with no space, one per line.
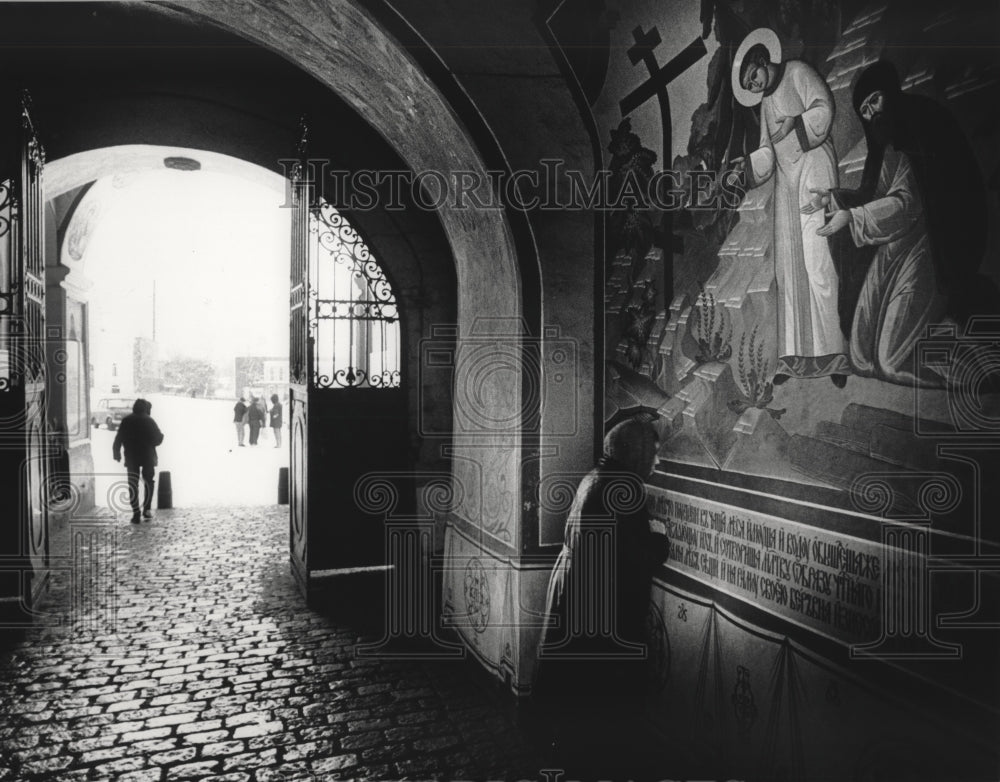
(72,171)
(342,46)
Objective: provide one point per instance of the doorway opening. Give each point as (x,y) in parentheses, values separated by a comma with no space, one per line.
(188,308)
(104,122)
(178,293)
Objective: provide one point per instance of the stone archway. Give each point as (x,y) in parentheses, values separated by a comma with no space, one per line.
(506,440)
(491,250)
(72,214)
(494,252)
(342,45)
(82,191)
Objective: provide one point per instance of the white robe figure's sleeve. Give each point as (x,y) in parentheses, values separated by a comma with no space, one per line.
(761,162)
(890,216)
(812,126)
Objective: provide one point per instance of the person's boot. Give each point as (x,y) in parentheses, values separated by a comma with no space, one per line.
(136,517)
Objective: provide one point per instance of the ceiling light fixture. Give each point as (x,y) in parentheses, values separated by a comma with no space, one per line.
(181,163)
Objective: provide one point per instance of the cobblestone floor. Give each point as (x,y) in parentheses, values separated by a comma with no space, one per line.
(215,669)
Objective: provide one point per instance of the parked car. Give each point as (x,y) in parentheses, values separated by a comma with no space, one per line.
(110,410)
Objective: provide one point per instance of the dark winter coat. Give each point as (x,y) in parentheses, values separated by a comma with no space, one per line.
(258,412)
(139,435)
(613,494)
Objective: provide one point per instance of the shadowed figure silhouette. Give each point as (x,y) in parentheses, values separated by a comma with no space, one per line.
(139,435)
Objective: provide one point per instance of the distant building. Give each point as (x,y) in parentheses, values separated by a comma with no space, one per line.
(114,367)
(261,375)
(146,366)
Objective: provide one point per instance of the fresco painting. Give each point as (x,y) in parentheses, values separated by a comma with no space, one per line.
(813,332)
(809,308)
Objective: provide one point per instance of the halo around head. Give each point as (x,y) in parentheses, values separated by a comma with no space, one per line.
(769,38)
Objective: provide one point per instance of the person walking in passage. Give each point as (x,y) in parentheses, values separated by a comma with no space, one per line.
(276,420)
(257,416)
(139,435)
(240,420)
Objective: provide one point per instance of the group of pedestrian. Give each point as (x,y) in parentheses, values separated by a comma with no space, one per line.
(138,435)
(256,415)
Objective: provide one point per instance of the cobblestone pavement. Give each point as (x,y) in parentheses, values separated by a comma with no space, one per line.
(216,669)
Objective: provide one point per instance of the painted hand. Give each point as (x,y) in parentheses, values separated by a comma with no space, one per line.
(786,127)
(840,218)
(736,175)
(820,200)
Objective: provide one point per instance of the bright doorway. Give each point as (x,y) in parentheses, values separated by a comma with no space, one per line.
(189,309)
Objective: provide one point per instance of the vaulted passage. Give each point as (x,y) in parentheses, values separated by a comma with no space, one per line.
(637,365)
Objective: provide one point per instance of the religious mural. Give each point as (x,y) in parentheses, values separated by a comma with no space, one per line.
(830,242)
(806,307)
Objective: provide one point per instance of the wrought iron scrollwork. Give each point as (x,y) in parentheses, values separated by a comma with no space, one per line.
(299,166)
(6,206)
(346,247)
(22,299)
(35,150)
(299,350)
(345,309)
(360,298)
(355,377)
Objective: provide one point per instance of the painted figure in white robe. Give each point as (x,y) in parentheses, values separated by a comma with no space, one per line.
(900,296)
(796,117)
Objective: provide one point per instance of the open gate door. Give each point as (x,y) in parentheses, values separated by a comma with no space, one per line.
(24,532)
(298,372)
(348,402)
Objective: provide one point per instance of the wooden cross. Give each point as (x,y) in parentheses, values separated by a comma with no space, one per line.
(656,85)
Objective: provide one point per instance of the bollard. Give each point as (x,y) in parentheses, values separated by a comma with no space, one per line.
(164,492)
(283,486)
